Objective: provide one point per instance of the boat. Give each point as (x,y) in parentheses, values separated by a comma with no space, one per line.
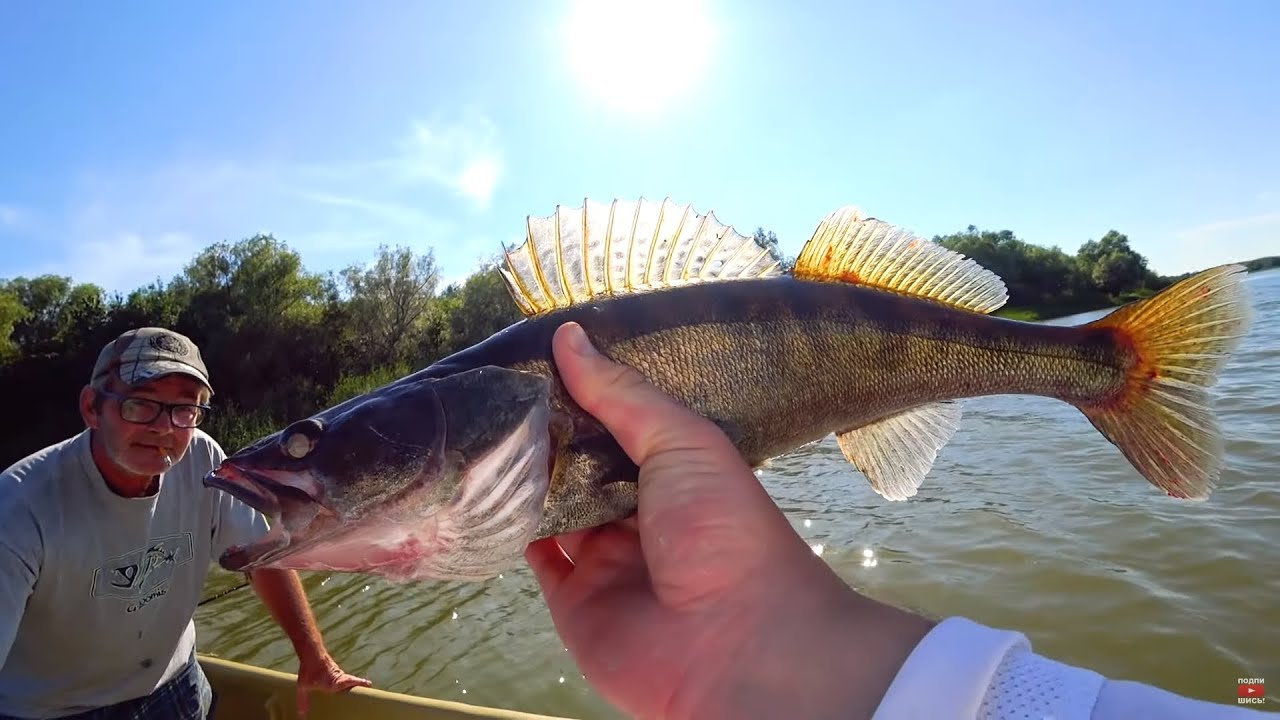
(249,692)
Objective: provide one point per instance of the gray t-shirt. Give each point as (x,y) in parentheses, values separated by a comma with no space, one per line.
(98,591)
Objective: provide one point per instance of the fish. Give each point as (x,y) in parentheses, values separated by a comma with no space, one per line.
(874,336)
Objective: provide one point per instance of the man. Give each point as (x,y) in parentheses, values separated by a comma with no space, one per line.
(105,543)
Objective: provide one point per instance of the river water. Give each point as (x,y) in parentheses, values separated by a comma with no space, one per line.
(1030,520)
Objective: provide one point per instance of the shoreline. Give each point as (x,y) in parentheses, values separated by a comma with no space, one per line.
(1034,313)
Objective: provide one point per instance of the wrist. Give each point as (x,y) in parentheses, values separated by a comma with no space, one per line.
(311,651)
(874,642)
(835,658)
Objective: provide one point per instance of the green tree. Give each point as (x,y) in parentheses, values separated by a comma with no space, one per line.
(476,309)
(1034,275)
(390,300)
(1113,266)
(155,305)
(12,311)
(259,277)
(769,241)
(259,317)
(59,312)
(1263,263)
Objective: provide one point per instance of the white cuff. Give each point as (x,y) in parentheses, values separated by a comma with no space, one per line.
(947,674)
(1027,685)
(962,670)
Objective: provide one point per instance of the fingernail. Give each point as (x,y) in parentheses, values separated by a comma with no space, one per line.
(579,343)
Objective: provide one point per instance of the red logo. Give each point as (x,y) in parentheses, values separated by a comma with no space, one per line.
(1250,690)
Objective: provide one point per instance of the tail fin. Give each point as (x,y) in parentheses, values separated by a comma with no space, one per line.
(1162,421)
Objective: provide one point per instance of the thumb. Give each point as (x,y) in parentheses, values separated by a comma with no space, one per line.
(705,510)
(687,462)
(642,418)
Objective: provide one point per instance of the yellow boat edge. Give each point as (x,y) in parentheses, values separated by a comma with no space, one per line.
(248,692)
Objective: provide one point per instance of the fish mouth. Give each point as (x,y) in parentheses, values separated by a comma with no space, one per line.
(288,507)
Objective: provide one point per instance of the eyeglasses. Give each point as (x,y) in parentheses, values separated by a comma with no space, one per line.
(144,412)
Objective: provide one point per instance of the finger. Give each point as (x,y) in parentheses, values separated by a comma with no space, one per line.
(642,418)
(630,522)
(700,502)
(687,457)
(551,567)
(594,539)
(350,681)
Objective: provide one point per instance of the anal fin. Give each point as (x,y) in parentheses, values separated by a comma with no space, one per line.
(897,452)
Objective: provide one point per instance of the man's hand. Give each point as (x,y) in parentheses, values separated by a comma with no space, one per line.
(322,674)
(281,591)
(706,604)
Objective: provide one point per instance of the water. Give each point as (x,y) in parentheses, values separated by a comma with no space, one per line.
(1030,520)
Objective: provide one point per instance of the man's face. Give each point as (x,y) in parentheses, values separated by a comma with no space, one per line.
(140,448)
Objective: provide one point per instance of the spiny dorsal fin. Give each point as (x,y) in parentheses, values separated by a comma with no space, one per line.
(897,452)
(848,247)
(644,246)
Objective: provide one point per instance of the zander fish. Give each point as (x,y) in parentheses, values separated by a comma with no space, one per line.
(875,333)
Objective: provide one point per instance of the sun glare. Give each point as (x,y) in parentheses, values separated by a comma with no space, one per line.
(638,57)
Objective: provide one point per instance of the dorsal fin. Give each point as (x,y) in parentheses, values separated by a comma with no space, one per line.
(644,246)
(848,247)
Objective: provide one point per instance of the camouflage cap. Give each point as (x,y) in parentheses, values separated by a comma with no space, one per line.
(147,353)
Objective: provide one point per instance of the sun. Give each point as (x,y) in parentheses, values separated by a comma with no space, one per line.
(638,57)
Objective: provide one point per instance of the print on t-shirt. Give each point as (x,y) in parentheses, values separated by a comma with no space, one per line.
(143,574)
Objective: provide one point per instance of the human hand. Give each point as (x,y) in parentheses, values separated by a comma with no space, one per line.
(706,603)
(323,674)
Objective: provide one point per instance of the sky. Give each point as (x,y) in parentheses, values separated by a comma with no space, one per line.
(133,135)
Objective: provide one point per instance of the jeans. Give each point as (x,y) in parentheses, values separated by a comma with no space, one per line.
(186,696)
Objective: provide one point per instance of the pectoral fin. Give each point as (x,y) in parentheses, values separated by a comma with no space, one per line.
(897,452)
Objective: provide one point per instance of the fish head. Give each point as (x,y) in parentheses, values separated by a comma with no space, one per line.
(436,477)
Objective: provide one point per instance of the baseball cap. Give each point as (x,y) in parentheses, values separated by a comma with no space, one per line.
(147,353)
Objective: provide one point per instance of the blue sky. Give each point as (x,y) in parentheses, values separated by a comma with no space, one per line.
(135,134)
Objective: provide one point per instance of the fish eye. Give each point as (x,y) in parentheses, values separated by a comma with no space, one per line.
(300,438)
(297,445)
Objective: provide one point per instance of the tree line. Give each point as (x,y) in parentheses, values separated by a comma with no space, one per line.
(282,341)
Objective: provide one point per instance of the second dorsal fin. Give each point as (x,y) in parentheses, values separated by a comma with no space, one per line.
(848,247)
(597,250)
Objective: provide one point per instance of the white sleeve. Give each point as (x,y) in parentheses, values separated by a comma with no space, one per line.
(962,670)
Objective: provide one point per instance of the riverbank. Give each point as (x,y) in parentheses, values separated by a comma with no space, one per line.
(1035,313)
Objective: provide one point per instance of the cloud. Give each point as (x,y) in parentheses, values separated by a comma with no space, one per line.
(392,213)
(1232,239)
(1216,230)
(10,216)
(462,156)
(126,227)
(130,260)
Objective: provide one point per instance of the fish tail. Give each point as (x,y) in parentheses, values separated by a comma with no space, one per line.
(1178,341)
